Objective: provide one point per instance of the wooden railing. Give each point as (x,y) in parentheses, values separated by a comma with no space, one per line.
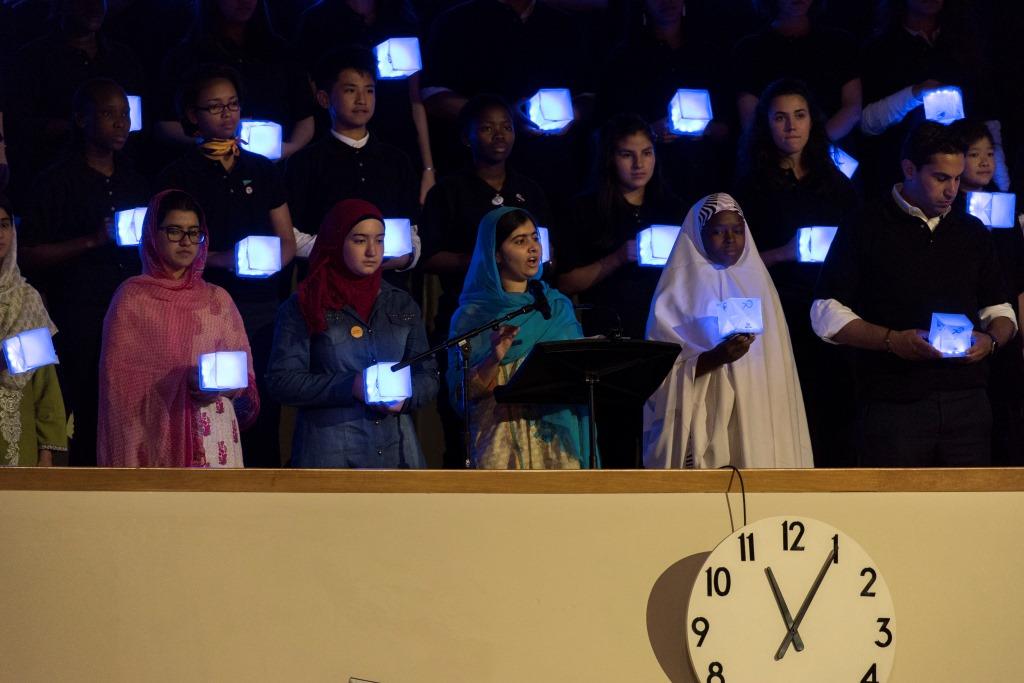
(477,481)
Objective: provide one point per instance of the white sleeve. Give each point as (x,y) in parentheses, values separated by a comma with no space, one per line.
(987,315)
(828,316)
(303,243)
(1002,172)
(888,111)
(417,250)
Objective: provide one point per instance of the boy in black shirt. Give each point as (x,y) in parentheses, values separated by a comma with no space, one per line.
(351,162)
(69,250)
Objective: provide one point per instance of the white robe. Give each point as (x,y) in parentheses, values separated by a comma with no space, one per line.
(748,413)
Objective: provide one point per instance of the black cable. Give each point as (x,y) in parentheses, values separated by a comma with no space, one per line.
(743,495)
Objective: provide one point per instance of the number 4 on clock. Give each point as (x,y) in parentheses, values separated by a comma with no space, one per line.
(871,676)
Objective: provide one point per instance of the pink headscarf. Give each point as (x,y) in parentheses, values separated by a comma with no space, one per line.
(153,334)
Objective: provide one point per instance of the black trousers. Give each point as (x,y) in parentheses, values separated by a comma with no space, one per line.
(944,429)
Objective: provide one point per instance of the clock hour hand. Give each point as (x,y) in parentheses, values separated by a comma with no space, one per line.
(787,618)
(803,608)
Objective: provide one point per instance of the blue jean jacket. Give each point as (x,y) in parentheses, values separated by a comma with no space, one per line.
(315,374)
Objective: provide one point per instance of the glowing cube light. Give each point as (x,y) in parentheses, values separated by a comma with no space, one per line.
(135,111)
(843,161)
(29,350)
(397,237)
(128,226)
(398,58)
(739,316)
(223,371)
(545,244)
(944,105)
(813,243)
(689,112)
(261,137)
(384,386)
(550,109)
(654,244)
(951,334)
(258,256)
(994,209)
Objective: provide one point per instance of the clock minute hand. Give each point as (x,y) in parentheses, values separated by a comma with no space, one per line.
(787,618)
(803,608)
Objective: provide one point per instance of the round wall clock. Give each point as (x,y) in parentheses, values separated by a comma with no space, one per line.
(790,599)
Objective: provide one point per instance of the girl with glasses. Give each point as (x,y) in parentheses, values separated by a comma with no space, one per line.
(152,410)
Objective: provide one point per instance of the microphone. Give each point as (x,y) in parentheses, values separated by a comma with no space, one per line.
(540,301)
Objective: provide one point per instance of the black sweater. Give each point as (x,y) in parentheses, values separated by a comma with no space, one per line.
(891,270)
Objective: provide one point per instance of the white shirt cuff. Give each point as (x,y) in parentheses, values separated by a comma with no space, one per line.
(303,243)
(987,315)
(828,316)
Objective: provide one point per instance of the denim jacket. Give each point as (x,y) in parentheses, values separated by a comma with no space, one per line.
(315,374)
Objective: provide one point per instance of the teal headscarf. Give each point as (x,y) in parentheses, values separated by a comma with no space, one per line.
(484,299)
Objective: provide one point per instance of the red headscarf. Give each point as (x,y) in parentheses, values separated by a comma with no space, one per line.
(331,285)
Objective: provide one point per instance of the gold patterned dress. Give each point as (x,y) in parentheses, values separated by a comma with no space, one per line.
(505,435)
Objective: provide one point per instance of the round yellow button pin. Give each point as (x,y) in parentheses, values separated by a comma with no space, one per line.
(357,332)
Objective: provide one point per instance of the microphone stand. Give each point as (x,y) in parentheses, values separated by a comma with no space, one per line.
(462,341)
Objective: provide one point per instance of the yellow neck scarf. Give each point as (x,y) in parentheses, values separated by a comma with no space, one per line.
(216,149)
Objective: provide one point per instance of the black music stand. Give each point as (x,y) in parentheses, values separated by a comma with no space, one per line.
(575,372)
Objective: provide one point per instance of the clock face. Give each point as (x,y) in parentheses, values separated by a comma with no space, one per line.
(785,571)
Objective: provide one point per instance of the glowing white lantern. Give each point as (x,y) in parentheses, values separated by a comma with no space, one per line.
(813,243)
(261,137)
(223,371)
(135,111)
(398,58)
(944,105)
(994,209)
(29,350)
(128,226)
(384,386)
(951,334)
(550,109)
(654,244)
(397,237)
(689,112)
(545,244)
(258,256)
(843,161)
(739,316)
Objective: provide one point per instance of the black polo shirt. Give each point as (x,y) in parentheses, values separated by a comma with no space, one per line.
(452,214)
(71,200)
(322,174)
(237,204)
(891,270)
(591,232)
(826,59)
(484,46)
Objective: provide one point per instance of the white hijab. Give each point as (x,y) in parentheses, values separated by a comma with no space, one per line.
(748,413)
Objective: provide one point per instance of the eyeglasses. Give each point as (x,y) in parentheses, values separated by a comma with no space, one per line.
(218,109)
(175,234)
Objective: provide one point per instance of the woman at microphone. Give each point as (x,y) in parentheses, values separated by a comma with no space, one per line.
(504,275)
